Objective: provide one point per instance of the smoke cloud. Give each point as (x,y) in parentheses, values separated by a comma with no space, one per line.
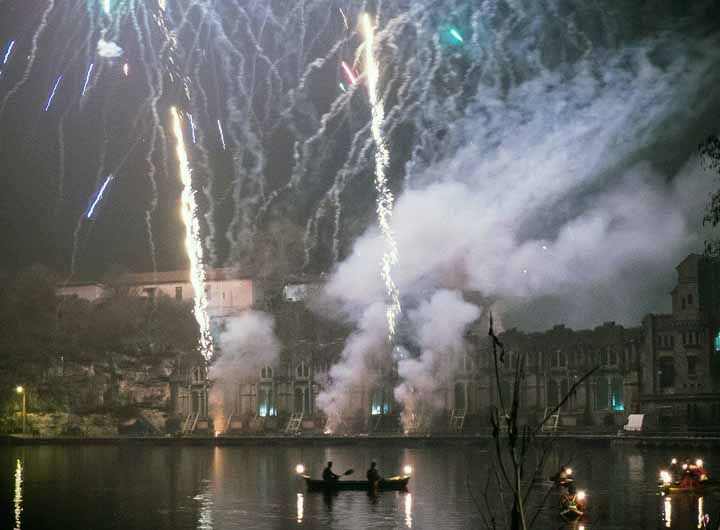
(571,198)
(108,49)
(247,344)
(439,325)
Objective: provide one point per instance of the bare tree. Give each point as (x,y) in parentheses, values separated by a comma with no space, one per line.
(512,443)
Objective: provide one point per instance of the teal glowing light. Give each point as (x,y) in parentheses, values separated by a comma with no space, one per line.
(456,35)
(717,342)
(617,406)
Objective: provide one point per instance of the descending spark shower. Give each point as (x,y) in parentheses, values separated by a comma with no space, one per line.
(385,199)
(193,243)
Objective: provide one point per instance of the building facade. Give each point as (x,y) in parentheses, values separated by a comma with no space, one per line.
(680,365)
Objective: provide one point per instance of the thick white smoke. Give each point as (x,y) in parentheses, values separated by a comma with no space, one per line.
(352,369)
(439,324)
(247,344)
(108,49)
(559,194)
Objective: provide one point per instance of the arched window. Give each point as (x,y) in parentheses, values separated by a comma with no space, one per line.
(302,370)
(266,372)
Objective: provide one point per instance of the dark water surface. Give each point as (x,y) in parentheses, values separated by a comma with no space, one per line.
(137,487)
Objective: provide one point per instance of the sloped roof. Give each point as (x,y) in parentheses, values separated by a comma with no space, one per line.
(181,276)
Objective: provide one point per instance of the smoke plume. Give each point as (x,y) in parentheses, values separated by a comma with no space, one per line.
(247,344)
(439,325)
(571,198)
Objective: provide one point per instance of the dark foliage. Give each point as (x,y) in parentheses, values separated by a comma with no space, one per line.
(709,151)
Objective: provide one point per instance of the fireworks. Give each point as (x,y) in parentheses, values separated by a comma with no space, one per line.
(349,73)
(106,6)
(193,243)
(192,126)
(11,44)
(126,69)
(98,196)
(385,199)
(456,35)
(52,94)
(222,136)
(87,78)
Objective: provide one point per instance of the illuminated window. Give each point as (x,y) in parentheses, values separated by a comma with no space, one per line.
(717,342)
(266,401)
(266,373)
(617,396)
(380,402)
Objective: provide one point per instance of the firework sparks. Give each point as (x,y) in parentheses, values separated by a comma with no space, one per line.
(222,136)
(385,199)
(11,44)
(52,94)
(87,78)
(345,20)
(126,69)
(98,196)
(106,6)
(193,243)
(192,127)
(349,73)
(456,35)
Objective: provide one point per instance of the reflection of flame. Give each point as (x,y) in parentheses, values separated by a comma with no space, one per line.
(701,515)
(408,510)
(668,512)
(300,507)
(17,501)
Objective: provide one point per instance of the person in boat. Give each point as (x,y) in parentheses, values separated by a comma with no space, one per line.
(571,498)
(561,477)
(328,474)
(690,477)
(373,476)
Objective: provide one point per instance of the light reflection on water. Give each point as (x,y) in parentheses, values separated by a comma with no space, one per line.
(300,507)
(228,488)
(408,510)
(18,497)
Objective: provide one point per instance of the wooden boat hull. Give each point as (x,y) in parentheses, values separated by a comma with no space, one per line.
(571,513)
(704,486)
(388,484)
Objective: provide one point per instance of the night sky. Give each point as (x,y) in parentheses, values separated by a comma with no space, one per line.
(473,93)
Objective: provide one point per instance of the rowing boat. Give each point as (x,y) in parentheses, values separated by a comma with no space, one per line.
(386,484)
(698,488)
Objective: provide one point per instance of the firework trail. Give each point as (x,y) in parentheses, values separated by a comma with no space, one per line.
(52,94)
(87,78)
(193,241)
(31,59)
(222,136)
(385,197)
(8,51)
(98,197)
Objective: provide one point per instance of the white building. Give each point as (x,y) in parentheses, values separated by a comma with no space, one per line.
(227,291)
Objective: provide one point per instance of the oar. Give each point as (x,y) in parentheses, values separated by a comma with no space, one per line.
(349,472)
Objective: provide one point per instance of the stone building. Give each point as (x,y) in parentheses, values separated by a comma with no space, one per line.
(556,359)
(680,364)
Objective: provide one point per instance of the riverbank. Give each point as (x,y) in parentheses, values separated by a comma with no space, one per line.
(396,440)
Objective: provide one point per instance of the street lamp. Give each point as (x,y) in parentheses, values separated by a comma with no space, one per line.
(21,390)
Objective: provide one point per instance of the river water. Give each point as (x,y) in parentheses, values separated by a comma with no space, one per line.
(177,488)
